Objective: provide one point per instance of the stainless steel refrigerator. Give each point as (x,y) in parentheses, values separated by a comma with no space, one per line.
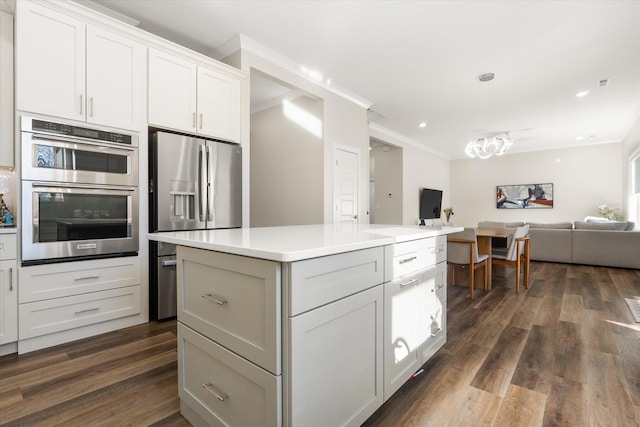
(195,184)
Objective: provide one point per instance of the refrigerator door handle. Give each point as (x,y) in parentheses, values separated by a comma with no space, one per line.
(202,177)
(210,182)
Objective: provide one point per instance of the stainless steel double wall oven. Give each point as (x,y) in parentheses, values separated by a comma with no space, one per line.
(79,192)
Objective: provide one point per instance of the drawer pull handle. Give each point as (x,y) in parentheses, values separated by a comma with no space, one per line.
(169,263)
(410,282)
(402,261)
(77,279)
(87,310)
(221,396)
(212,298)
(437,332)
(11,278)
(439,287)
(436,251)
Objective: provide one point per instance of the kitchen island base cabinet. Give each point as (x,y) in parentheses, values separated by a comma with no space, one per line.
(303,339)
(335,362)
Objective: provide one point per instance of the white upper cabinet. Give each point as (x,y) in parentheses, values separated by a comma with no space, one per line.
(192,98)
(172,91)
(218,105)
(115,79)
(50,60)
(70,69)
(6,89)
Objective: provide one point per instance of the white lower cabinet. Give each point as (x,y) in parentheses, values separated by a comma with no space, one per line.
(8,302)
(335,362)
(68,301)
(8,293)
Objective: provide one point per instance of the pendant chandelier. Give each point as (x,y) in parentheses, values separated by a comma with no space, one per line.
(493,146)
(485,147)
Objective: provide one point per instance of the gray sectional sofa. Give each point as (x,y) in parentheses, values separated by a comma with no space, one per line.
(610,244)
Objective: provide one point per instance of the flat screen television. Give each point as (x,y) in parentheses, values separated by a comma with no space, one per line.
(430,204)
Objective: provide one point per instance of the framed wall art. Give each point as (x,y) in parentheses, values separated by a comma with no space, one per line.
(524,196)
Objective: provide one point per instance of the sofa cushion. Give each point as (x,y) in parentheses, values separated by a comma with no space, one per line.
(614,225)
(606,248)
(555,225)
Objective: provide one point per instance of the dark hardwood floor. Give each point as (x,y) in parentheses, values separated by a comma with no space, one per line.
(564,352)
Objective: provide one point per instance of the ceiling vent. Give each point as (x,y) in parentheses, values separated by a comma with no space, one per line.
(603,82)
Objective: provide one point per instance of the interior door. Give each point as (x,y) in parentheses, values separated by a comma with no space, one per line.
(345,184)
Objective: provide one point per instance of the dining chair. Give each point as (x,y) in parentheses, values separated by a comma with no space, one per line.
(517,253)
(462,249)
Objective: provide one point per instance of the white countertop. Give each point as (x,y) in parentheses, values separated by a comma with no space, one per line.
(8,230)
(298,242)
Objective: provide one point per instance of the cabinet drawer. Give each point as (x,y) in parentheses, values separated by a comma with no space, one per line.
(7,246)
(319,281)
(408,257)
(223,388)
(233,300)
(46,317)
(42,282)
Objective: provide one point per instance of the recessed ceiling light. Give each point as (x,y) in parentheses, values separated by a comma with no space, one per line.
(422,124)
(582,93)
(579,138)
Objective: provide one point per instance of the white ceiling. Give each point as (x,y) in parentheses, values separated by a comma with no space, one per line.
(419,60)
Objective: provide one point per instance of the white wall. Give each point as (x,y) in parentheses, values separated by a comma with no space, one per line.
(286,192)
(583,178)
(345,123)
(386,177)
(421,168)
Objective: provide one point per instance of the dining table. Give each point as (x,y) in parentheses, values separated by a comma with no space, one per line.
(485,237)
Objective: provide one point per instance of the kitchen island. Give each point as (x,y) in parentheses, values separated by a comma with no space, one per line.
(304,325)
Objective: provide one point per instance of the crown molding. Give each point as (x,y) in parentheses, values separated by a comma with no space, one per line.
(384,133)
(241,41)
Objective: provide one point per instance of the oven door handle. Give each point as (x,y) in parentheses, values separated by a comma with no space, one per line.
(85,186)
(80,140)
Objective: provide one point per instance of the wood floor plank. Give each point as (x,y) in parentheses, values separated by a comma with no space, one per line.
(571,308)
(526,313)
(537,355)
(521,407)
(569,353)
(565,404)
(495,373)
(608,402)
(549,313)
(474,404)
